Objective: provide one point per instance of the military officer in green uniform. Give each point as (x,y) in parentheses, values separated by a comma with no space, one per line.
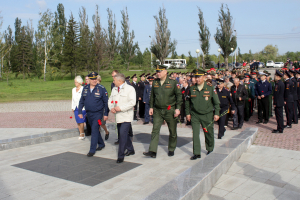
(201,102)
(251,95)
(165,104)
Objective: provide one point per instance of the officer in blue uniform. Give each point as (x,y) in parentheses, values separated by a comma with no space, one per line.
(295,96)
(288,99)
(262,90)
(94,99)
(278,102)
(146,99)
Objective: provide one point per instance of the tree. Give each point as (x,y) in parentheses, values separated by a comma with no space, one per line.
(9,40)
(204,37)
(70,48)
(191,60)
(99,42)
(44,40)
(182,56)
(127,47)
(58,32)
(84,48)
(113,39)
(161,45)
(147,58)
(224,36)
(174,55)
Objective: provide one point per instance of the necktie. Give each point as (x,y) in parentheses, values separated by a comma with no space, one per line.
(118,89)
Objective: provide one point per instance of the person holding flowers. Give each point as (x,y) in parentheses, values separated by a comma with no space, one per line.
(121,103)
(94,99)
(201,103)
(165,104)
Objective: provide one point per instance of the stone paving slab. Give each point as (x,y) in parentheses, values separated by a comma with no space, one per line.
(8,133)
(137,183)
(260,173)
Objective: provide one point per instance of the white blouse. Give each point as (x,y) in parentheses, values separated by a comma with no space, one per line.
(76,97)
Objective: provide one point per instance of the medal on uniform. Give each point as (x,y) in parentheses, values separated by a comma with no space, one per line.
(206,98)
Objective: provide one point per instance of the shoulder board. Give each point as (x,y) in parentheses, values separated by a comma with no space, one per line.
(101,86)
(85,87)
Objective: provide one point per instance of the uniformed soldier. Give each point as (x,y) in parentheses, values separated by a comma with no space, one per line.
(141,87)
(262,90)
(165,103)
(298,91)
(251,95)
(135,85)
(94,99)
(200,104)
(146,98)
(288,99)
(278,101)
(225,100)
(295,96)
(269,79)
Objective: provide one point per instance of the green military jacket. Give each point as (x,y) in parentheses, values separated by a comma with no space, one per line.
(202,102)
(168,94)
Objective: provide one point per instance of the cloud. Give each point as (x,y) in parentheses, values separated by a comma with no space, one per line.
(295,28)
(42,4)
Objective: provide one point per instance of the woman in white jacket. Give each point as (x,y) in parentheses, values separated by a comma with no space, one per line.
(76,95)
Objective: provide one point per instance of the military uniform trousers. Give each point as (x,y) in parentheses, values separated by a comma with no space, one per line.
(270,105)
(88,128)
(96,138)
(247,110)
(295,114)
(124,139)
(238,116)
(221,122)
(147,108)
(298,103)
(263,108)
(204,120)
(252,106)
(279,118)
(135,111)
(159,115)
(288,107)
(141,108)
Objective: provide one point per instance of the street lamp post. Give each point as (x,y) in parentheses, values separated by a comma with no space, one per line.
(232,57)
(235,50)
(151,54)
(219,50)
(197,51)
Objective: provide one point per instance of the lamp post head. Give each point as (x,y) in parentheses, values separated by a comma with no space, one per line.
(197,51)
(231,49)
(219,50)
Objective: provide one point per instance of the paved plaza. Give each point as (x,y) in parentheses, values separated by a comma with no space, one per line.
(60,169)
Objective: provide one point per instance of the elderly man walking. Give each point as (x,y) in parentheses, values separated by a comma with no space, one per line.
(121,103)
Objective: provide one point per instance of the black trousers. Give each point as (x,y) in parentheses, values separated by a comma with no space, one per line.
(279,118)
(130,132)
(135,111)
(295,113)
(141,108)
(238,116)
(88,128)
(289,112)
(298,104)
(263,109)
(221,122)
(124,139)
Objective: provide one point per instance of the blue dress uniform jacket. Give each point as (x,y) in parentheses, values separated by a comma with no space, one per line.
(94,103)
(146,99)
(279,94)
(263,88)
(288,92)
(295,96)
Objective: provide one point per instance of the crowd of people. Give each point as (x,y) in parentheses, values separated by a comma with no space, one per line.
(196,98)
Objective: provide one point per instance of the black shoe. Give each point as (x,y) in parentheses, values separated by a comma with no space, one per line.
(106,136)
(277,131)
(117,142)
(90,154)
(188,123)
(128,153)
(239,127)
(219,137)
(120,160)
(266,121)
(194,157)
(150,153)
(234,128)
(136,119)
(259,122)
(288,126)
(146,123)
(100,148)
(208,152)
(171,153)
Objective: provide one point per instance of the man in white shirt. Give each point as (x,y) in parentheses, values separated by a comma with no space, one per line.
(121,103)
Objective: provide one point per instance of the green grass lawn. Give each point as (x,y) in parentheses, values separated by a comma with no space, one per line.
(35,89)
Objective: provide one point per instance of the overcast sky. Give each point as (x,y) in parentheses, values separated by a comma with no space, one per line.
(257,22)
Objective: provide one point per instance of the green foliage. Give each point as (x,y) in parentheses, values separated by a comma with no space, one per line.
(204,36)
(224,36)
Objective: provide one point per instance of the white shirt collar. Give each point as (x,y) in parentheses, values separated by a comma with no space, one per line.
(121,86)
